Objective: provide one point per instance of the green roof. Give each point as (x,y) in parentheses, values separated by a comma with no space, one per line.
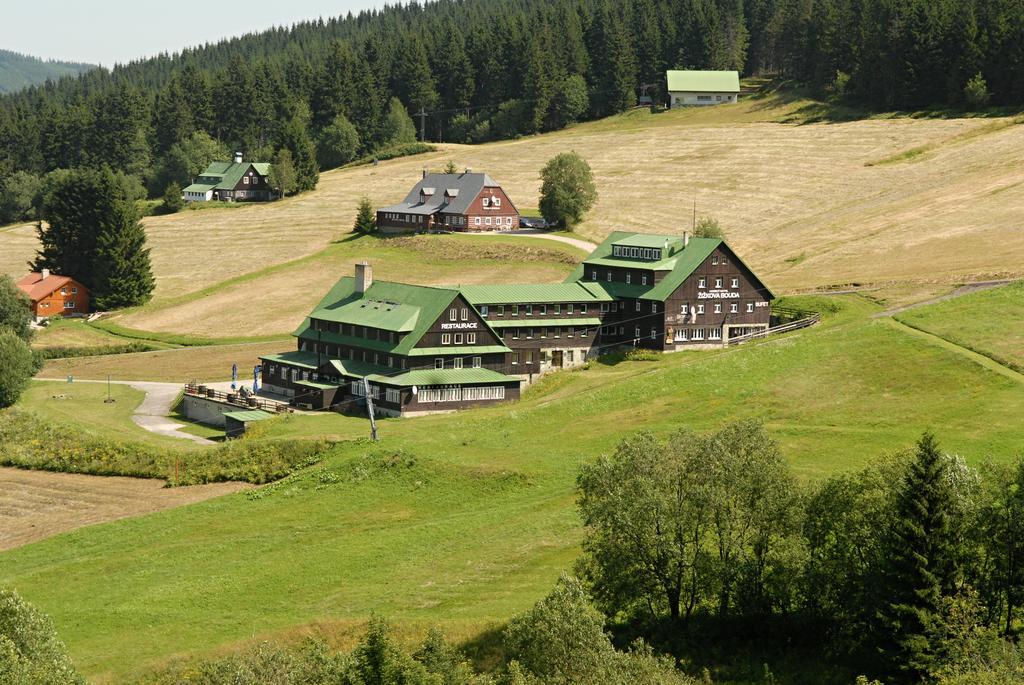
(428,302)
(679,265)
(251,415)
(199,188)
(649,240)
(228,174)
(461,349)
(383,314)
(317,386)
(531,292)
(306,360)
(444,377)
(356,368)
(704,81)
(535,323)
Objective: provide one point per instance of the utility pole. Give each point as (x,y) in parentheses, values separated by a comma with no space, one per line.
(694,226)
(423,124)
(369,408)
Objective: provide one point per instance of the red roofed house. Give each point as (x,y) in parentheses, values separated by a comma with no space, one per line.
(52,294)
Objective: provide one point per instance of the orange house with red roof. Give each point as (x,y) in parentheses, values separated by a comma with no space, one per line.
(52,294)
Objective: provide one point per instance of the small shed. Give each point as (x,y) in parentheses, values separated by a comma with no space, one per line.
(701,88)
(236,422)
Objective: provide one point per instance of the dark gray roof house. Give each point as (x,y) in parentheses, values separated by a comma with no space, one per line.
(465,201)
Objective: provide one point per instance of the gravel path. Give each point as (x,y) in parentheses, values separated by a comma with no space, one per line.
(152,414)
(959,292)
(584,245)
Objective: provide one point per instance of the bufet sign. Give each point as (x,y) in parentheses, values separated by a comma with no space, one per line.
(719,295)
(462,326)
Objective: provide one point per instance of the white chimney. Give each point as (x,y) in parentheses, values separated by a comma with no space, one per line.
(46,273)
(686,238)
(238,158)
(364,277)
(469,170)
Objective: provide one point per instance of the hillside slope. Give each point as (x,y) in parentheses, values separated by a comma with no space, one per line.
(807,204)
(19,71)
(462,520)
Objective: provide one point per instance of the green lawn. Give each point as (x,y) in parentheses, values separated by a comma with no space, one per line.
(990,322)
(465,519)
(77,333)
(81,406)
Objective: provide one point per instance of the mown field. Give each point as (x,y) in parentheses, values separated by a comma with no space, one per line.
(463,520)
(807,202)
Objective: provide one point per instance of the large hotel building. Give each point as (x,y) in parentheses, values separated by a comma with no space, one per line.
(423,349)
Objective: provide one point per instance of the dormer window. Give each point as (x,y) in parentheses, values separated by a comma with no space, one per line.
(487,202)
(634,252)
(496,201)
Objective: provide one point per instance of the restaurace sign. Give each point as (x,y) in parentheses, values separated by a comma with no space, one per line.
(718,295)
(470,325)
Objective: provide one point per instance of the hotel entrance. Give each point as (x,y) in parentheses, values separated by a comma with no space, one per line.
(556,358)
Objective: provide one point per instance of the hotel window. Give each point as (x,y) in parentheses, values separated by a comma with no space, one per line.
(496,201)
(584,332)
(515,334)
(636,333)
(558,332)
(685,309)
(515,310)
(476,221)
(698,334)
(654,307)
(634,252)
(543,309)
(568,356)
(391,361)
(476,362)
(483,311)
(583,309)
(453,315)
(609,275)
(508,221)
(393,395)
(718,282)
(465,314)
(458,338)
(529,356)
(569,332)
(568,308)
(638,305)
(446,338)
(403,363)
(714,259)
(487,202)
(457,363)
(654,334)
(643,279)
(438,362)
(702,282)
(529,310)
(629,277)
(604,306)
(543,332)
(471,338)
(615,306)
(733,308)
(725,260)
(515,358)
(529,333)
(245,180)
(700,309)
(735,282)
(556,308)
(718,308)
(750,307)
(716,334)
(593,274)
(487,221)
(501,310)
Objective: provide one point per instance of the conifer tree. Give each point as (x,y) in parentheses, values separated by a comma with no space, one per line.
(922,562)
(366,218)
(295,137)
(172,118)
(614,69)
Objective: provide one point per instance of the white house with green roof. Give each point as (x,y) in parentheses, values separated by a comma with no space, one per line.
(702,88)
(422,349)
(234,181)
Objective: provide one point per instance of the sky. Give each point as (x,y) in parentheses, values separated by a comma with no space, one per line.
(117,31)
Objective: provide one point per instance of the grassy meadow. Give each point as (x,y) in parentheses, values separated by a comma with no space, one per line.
(463,520)
(990,322)
(808,198)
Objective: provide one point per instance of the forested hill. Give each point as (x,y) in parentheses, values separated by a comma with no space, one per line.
(486,69)
(18,71)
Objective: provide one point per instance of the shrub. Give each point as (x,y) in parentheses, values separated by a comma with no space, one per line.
(17,366)
(30,653)
(15,309)
(173,201)
(976,91)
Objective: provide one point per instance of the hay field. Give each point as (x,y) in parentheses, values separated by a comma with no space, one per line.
(35,505)
(880,200)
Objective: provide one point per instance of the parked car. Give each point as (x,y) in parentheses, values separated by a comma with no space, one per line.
(532,222)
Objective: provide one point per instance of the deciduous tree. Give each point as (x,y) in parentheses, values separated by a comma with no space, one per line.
(567,189)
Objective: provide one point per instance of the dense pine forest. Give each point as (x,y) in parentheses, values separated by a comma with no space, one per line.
(18,71)
(322,93)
